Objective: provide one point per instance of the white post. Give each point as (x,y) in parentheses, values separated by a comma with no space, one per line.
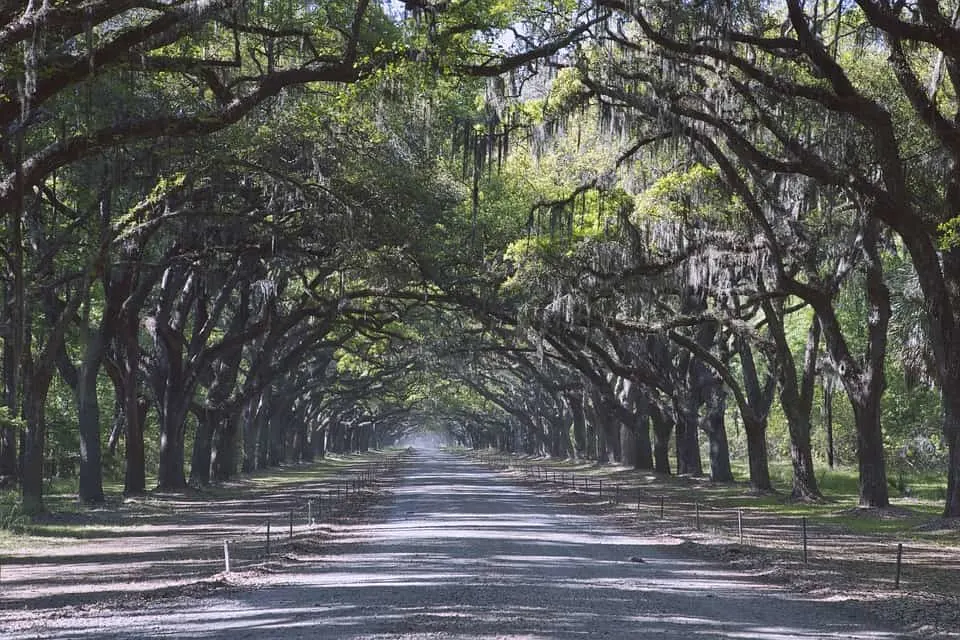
(226,556)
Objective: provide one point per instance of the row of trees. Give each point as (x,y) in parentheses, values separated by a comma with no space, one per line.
(776,170)
(206,207)
(577,227)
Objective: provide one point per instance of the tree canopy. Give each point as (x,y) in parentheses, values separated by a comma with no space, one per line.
(241,233)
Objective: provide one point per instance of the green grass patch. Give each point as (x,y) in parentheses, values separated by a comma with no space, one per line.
(910,516)
(66,517)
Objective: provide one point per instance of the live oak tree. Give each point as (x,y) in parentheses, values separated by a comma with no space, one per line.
(570,228)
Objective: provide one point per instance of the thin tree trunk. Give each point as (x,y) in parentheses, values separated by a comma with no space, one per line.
(828,419)
(251,435)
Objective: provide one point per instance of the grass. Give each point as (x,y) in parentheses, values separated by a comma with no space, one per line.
(66,517)
(908,518)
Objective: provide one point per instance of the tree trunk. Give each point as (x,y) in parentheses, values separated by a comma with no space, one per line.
(575,402)
(828,419)
(88,413)
(951,432)
(871,464)
(171,472)
(628,446)
(687,444)
(200,458)
(756,432)
(662,428)
(801,455)
(796,399)
(636,447)
(263,429)
(135,475)
(223,453)
(306,451)
(251,434)
(864,384)
(8,454)
(34,444)
(759,398)
(643,458)
(8,432)
(715,428)
(319,442)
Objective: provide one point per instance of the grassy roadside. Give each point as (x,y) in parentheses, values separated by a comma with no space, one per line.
(66,518)
(911,517)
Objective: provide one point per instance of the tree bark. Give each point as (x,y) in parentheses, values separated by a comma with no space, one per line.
(756,432)
(686,422)
(951,432)
(796,399)
(662,428)
(202,454)
(34,442)
(88,414)
(575,402)
(635,436)
(715,428)
(135,474)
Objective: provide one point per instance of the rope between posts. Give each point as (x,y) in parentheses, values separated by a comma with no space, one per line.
(301,518)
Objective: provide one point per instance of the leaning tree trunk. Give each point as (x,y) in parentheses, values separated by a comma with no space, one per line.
(801,453)
(864,384)
(759,398)
(796,398)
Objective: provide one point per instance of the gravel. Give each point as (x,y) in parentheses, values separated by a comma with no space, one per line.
(458,551)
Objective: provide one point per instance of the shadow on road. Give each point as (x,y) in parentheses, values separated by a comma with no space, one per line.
(462,553)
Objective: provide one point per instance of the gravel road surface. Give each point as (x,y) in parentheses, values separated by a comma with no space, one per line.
(460,552)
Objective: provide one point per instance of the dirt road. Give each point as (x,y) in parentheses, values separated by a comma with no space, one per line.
(459,552)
